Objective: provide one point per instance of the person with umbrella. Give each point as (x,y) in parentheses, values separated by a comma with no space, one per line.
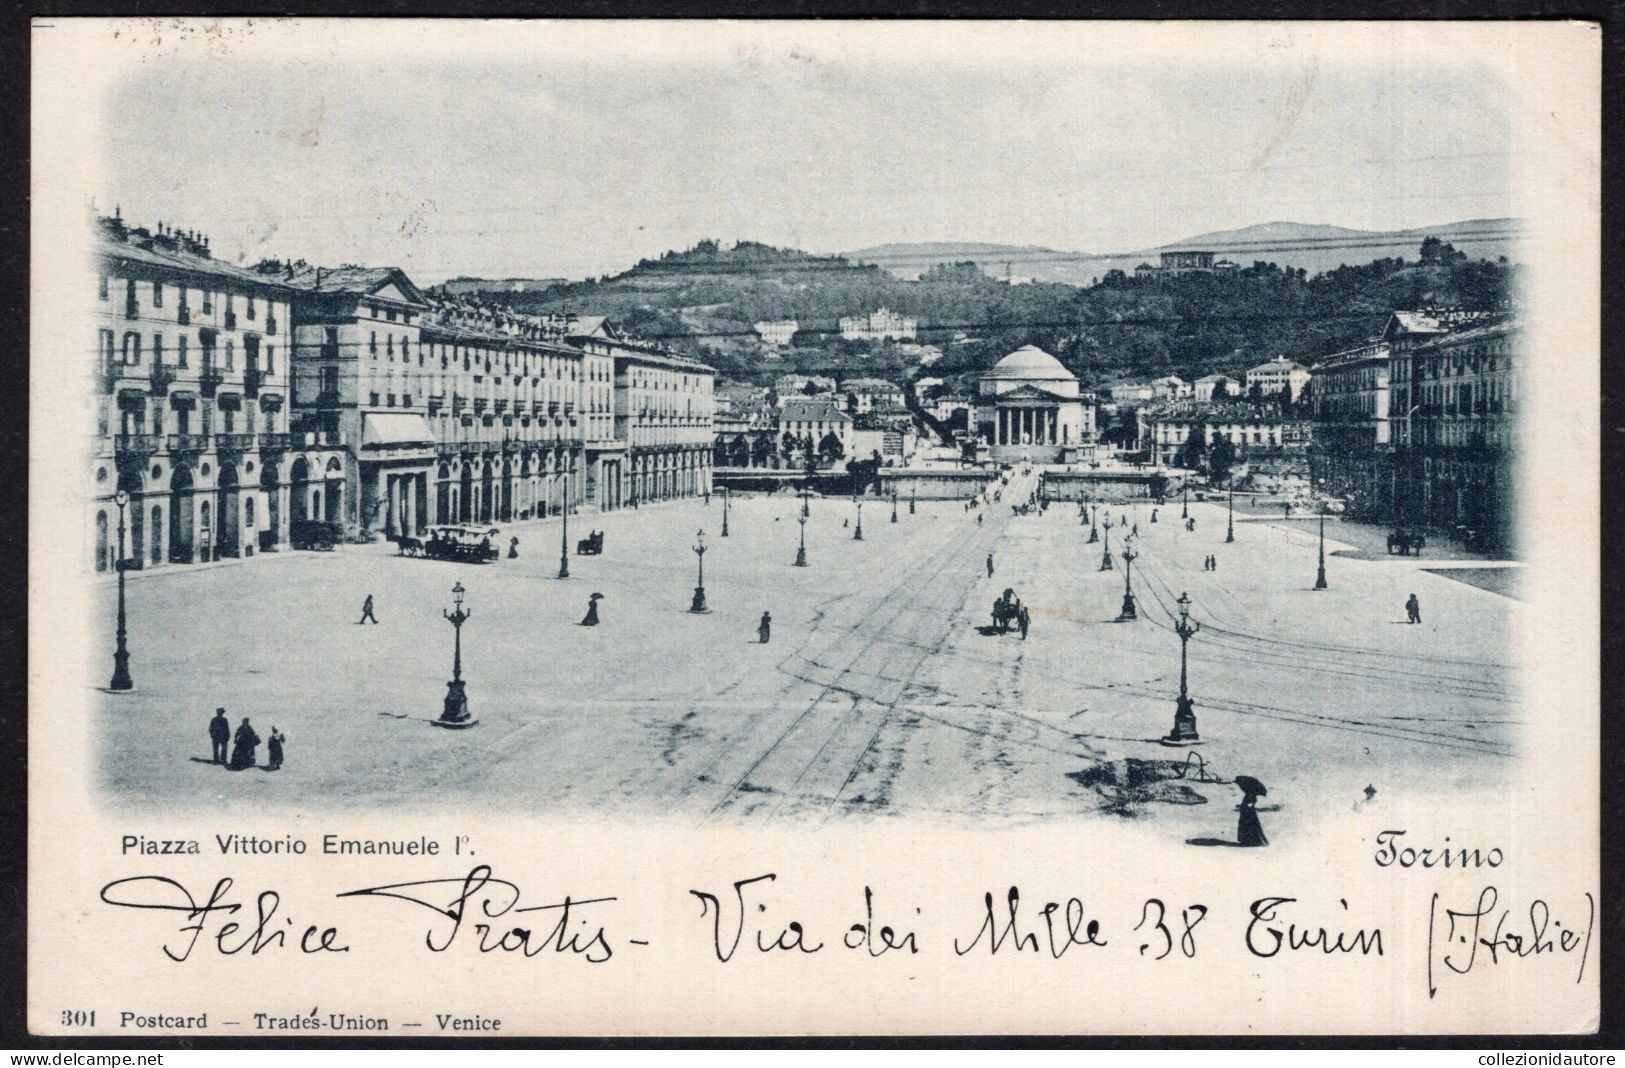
(591,618)
(1249,832)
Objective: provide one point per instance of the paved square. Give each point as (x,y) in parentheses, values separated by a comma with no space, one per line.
(878,695)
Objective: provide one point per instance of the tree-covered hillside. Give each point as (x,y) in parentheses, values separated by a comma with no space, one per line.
(706,299)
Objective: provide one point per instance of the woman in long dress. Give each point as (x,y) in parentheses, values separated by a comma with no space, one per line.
(273,750)
(1249,832)
(243,745)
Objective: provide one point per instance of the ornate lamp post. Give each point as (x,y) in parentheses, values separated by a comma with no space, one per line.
(894,505)
(725,493)
(1230,528)
(1184,732)
(1184,499)
(801,549)
(1094,532)
(1320,575)
(1127,612)
(121,652)
(857,532)
(911,495)
(454,714)
(1106,546)
(698,604)
(564,531)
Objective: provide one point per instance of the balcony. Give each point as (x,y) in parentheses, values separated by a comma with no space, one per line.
(210,380)
(324,439)
(275,442)
(448,450)
(437,401)
(234,443)
(480,404)
(188,443)
(458,402)
(183,315)
(135,445)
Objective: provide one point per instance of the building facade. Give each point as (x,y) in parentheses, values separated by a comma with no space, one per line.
(1246,426)
(190,404)
(1029,407)
(1170,388)
(1205,387)
(801,418)
(877,326)
(776,332)
(863,395)
(1349,398)
(1272,376)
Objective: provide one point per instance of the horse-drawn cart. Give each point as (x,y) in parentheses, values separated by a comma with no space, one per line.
(1405,542)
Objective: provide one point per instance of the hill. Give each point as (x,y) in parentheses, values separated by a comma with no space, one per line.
(707,298)
(1314,247)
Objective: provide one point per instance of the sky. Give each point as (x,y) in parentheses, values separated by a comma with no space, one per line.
(501,150)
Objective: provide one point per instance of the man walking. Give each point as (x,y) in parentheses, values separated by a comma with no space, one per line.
(989,565)
(366,611)
(1413,610)
(219,734)
(1023,620)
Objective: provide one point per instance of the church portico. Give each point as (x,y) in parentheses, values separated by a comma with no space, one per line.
(1029,408)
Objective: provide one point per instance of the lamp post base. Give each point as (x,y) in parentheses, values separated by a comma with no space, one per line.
(1105,563)
(1094,537)
(697,606)
(857,534)
(724,529)
(910,507)
(1229,536)
(454,714)
(564,567)
(801,558)
(121,672)
(1184,732)
(1128,611)
(1320,578)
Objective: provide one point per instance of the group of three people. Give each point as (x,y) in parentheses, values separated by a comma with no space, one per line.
(244,745)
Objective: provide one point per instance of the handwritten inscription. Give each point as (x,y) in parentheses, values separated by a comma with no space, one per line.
(1460,940)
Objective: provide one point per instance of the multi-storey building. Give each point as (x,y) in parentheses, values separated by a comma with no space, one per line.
(358,388)
(1247,426)
(663,439)
(776,332)
(816,418)
(190,400)
(511,409)
(882,325)
(1349,398)
(1272,376)
(1204,388)
(1170,387)
(869,394)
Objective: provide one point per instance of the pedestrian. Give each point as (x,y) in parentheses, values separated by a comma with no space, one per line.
(1136,530)
(219,735)
(273,749)
(242,750)
(708,498)
(989,565)
(1413,610)
(1215,559)
(513,548)
(366,611)
(591,618)
(978,518)
(1023,620)
(1153,515)
(764,629)
(1249,832)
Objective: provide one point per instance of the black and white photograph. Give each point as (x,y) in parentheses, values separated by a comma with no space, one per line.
(1158,442)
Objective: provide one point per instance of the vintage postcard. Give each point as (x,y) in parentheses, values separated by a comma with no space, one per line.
(703,528)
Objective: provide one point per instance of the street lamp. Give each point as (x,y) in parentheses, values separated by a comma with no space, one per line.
(454,714)
(1184,732)
(1230,528)
(564,531)
(121,652)
(1094,532)
(1320,576)
(698,604)
(1129,556)
(894,505)
(801,549)
(1184,499)
(1106,546)
(725,492)
(857,532)
(911,495)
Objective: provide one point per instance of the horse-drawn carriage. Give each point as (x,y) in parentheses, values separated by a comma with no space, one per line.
(1406,542)
(468,545)
(591,545)
(1007,611)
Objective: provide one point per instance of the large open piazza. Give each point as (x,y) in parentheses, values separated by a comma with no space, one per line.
(879,695)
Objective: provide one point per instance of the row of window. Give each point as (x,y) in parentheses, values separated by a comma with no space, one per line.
(132,303)
(128,351)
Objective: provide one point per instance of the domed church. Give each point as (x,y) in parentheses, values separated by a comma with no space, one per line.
(1028,407)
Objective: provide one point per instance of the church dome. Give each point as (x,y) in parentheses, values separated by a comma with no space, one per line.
(1030,363)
